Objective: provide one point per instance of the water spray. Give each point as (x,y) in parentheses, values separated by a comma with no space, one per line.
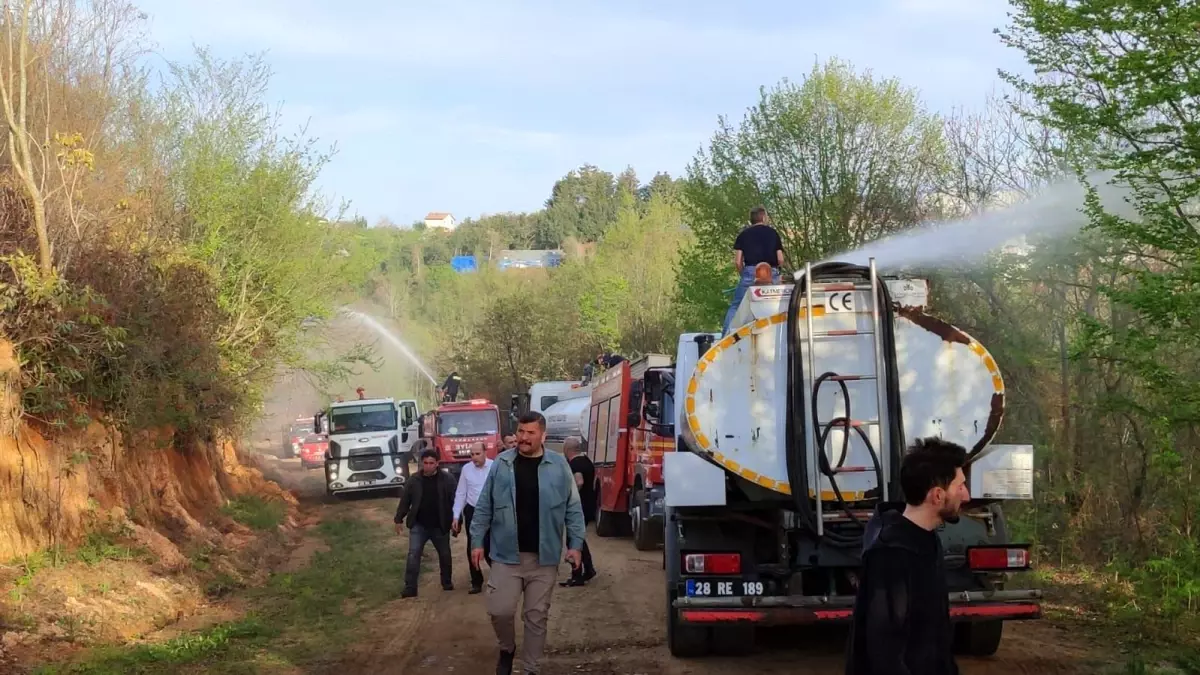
(392,338)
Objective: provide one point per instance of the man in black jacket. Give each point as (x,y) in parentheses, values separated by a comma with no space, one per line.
(427,510)
(902,612)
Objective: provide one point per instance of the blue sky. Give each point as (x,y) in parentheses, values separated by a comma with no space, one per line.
(477,106)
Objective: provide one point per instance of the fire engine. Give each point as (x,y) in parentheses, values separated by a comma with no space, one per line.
(627,436)
(452,428)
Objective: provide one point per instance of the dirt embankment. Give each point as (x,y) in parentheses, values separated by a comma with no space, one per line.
(104,536)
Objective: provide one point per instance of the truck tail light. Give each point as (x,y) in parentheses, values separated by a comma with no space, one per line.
(1001,558)
(712,563)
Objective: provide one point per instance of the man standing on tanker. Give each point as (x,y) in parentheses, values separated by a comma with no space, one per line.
(901,622)
(756,244)
(527,502)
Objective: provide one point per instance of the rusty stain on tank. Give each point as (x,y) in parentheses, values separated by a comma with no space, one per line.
(934,325)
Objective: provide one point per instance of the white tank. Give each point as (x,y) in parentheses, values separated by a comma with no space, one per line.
(735,403)
(566,418)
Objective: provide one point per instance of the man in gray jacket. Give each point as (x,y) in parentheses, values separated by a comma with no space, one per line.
(527,502)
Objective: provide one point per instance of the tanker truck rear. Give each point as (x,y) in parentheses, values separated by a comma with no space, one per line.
(790,432)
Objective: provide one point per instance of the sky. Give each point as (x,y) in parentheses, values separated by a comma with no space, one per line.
(478,106)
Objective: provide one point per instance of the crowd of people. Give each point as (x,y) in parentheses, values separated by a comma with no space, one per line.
(512,509)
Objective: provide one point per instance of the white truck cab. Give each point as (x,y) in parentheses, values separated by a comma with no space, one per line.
(369,442)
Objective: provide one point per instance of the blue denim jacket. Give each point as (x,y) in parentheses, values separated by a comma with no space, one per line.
(559,509)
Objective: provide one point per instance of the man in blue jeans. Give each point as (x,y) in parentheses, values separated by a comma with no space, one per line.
(427,510)
(758,243)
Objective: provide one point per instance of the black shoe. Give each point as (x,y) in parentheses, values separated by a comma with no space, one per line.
(573,582)
(408,593)
(447,587)
(504,665)
(475,590)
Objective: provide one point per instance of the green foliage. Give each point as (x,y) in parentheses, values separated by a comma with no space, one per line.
(256,512)
(69,356)
(838,160)
(1120,77)
(209,645)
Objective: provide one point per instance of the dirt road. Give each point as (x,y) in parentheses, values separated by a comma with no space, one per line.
(615,624)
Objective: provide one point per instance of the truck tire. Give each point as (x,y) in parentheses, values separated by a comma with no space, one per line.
(644,538)
(609,524)
(737,640)
(978,638)
(684,641)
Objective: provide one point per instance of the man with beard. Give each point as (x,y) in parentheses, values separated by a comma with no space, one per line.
(530,503)
(902,612)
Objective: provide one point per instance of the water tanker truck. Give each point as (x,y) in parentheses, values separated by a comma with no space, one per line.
(789,431)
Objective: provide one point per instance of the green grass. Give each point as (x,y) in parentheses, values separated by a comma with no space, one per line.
(255,512)
(299,618)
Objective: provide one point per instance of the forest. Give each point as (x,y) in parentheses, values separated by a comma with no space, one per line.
(164,255)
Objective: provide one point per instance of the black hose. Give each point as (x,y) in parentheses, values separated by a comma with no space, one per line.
(795,429)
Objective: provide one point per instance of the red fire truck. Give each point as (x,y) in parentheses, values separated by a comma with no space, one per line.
(452,428)
(630,427)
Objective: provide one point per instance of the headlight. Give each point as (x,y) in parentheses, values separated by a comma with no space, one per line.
(397,461)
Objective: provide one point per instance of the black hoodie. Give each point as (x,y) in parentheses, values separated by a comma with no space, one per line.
(902,612)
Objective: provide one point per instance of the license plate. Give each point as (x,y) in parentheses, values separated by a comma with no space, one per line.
(721,588)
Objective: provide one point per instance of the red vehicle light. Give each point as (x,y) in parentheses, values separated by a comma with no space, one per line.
(998,557)
(712,563)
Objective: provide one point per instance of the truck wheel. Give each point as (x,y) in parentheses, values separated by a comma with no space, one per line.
(733,640)
(644,538)
(608,524)
(978,638)
(683,640)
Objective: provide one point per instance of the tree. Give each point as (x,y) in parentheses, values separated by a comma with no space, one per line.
(838,160)
(1122,78)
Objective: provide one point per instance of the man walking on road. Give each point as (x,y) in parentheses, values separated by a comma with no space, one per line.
(425,508)
(902,612)
(585,481)
(758,243)
(528,500)
(470,483)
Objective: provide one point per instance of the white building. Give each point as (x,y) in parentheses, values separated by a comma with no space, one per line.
(440,220)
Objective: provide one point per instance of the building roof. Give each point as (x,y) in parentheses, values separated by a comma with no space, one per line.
(438,215)
(528,258)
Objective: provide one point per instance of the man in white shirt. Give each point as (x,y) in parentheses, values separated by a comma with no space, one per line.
(470,483)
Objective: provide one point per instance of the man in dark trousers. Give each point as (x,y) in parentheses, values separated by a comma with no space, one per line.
(426,509)
(450,387)
(902,612)
(585,480)
(758,243)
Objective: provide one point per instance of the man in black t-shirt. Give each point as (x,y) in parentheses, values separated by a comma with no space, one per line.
(758,243)
(585,480)
(426,509)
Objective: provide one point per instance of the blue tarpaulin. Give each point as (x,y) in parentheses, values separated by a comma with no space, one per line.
(463,263)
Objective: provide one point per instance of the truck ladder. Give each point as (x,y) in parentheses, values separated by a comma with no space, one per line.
(883,452)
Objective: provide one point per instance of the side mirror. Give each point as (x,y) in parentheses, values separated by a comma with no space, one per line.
(634,419)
